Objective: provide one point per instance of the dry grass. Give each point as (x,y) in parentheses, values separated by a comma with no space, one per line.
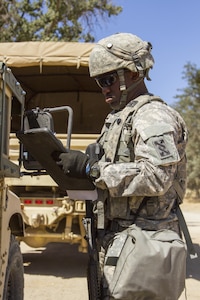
(190,197)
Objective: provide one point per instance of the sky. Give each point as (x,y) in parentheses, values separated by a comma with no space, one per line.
(172,27)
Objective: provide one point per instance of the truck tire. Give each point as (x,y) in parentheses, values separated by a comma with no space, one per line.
(14,280)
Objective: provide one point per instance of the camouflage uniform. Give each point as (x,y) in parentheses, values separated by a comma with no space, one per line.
(143,169)
(148,163)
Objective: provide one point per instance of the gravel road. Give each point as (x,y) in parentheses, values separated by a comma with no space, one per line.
(58,272)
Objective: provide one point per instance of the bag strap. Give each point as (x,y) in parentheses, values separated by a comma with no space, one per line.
(182,222)
(142,204)
(184,228)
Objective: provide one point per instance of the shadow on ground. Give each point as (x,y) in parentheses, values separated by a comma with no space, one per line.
(64,260)
(57,259)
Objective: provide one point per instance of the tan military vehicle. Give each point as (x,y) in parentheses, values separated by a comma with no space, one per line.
(11,221)
(54,75)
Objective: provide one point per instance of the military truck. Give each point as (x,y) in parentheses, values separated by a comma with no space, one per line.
(54,75)
(11,220)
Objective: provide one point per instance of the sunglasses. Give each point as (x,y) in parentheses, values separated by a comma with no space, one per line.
(106,80)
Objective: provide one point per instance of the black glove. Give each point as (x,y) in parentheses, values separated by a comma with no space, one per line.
(74,163)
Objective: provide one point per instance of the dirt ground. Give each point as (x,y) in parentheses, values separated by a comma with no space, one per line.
(59,270)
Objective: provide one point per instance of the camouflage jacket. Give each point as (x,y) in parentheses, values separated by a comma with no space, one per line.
(144,158)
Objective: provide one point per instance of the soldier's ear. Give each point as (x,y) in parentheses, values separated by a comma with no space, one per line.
(134,75)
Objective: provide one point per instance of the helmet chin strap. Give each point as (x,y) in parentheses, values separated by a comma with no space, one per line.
(123,88)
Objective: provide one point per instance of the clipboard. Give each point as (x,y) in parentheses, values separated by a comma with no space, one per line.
(43,144)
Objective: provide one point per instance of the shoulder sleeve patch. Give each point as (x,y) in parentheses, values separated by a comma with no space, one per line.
(157,144)
(161,147)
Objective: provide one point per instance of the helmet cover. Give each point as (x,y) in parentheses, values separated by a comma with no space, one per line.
(121,51)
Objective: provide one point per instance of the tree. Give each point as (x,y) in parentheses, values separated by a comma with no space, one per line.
(55,20)
(189,107)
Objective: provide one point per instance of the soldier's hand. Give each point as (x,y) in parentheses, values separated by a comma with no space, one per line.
(74,163)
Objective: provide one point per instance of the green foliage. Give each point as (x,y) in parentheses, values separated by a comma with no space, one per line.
(55,20)
(189,107)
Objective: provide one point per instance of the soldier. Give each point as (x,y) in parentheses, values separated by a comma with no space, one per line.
(141,177)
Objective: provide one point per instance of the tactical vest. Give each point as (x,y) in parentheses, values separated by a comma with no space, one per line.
(117,141)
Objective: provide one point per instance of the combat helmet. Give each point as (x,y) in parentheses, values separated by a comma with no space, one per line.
(118,52)
(121,51)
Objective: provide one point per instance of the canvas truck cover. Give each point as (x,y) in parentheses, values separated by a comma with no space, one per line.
(56,74)
(25,54)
